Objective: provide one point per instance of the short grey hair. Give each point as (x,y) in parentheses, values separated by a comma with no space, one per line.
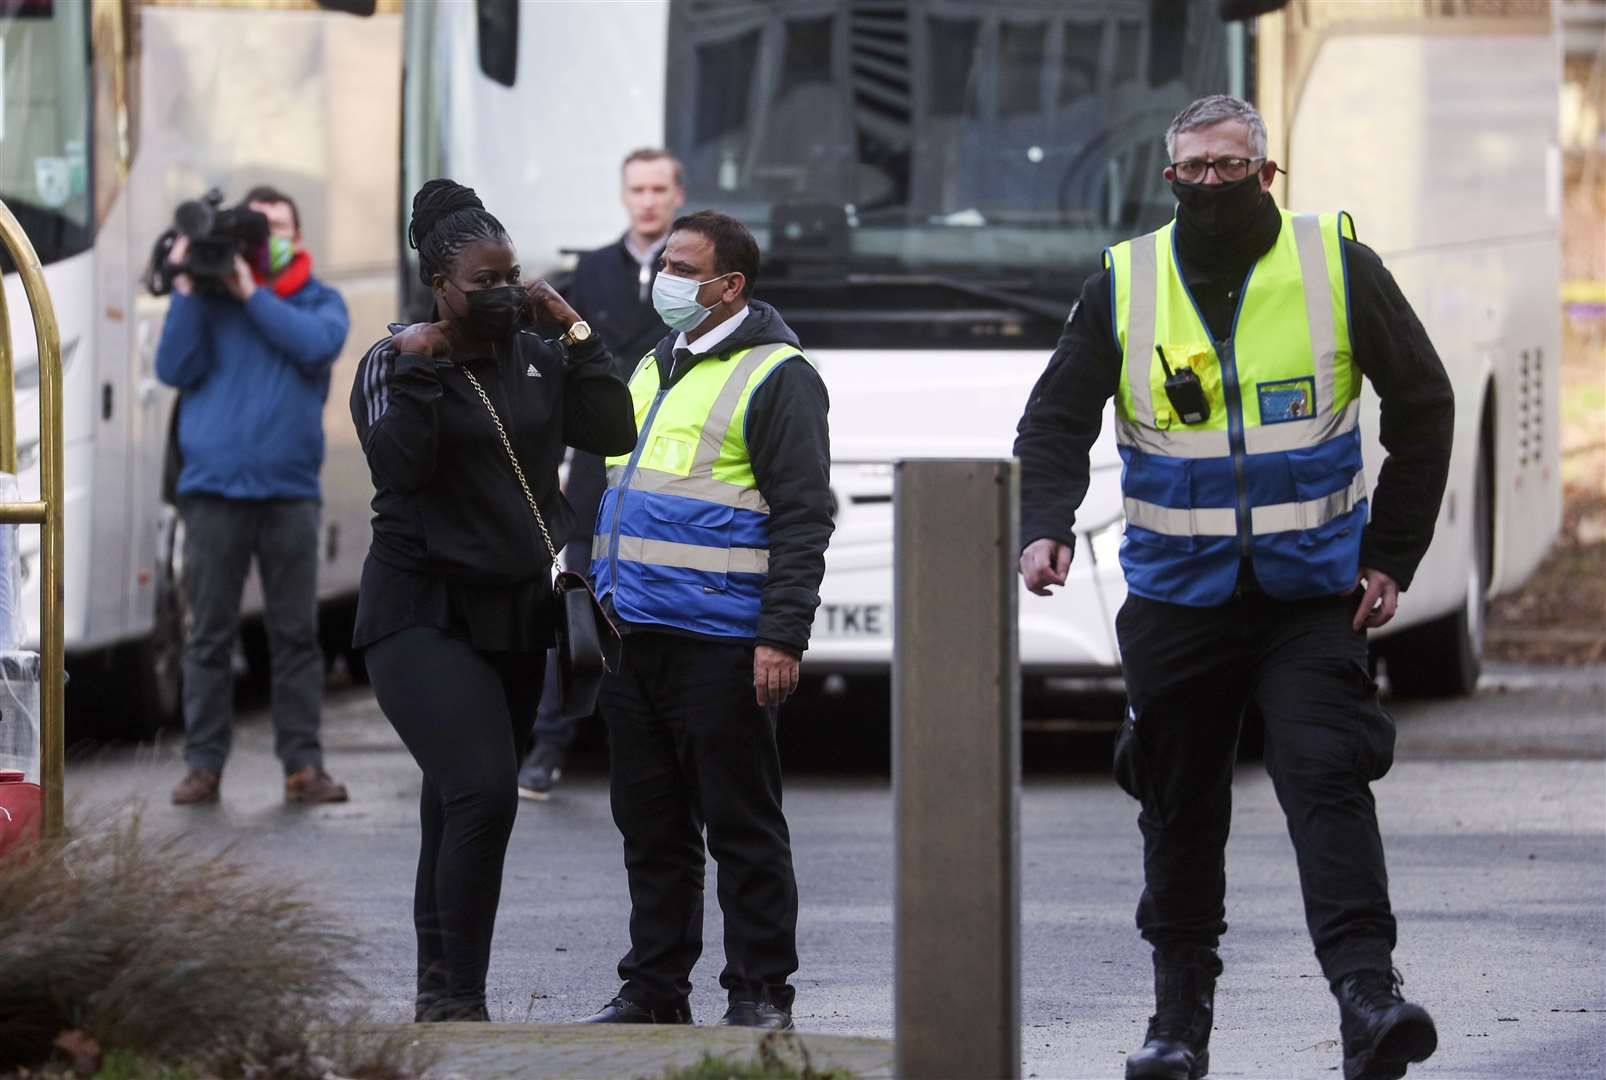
(1213,110)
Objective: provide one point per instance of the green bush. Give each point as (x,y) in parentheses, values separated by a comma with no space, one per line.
(131,956)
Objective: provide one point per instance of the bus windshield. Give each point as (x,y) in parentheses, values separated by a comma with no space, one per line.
(982,140)
(44,123)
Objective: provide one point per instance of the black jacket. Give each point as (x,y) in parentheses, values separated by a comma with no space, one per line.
(789,442)
(1392,349)
(446,501)
(607,290)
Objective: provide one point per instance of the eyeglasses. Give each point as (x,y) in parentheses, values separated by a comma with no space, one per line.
(1228,169)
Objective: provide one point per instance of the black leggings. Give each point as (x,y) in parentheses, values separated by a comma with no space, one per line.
(464,715)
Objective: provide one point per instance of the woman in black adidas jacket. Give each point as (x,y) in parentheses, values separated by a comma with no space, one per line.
(455,609)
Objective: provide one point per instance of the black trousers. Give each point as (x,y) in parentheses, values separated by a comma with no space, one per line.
(463,714)
(688,748)
(221,537)
(1189,674)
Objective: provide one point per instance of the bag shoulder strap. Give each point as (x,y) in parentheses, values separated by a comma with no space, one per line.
(513,460)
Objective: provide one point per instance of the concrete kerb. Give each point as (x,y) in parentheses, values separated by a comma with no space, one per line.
(620,1051)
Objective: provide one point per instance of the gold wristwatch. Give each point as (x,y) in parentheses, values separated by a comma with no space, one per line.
(578,334)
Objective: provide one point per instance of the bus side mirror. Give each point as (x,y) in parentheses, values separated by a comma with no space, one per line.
(1234,10)
(350,7)
(499,40)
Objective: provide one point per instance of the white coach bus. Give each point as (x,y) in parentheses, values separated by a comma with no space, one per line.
(112,113)
(932,180)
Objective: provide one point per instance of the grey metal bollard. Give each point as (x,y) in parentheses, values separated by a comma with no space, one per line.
(956,770)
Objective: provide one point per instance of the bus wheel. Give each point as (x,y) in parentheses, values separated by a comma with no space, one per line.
(1443,658)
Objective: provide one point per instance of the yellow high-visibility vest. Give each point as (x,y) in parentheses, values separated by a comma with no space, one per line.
(1273,474)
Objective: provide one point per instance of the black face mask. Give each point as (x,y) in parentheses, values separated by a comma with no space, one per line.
(1218,210)
(493,313)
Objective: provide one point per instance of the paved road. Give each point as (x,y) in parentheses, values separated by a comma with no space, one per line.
(1495,817)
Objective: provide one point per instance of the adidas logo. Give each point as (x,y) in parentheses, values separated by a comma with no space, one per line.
(531,373)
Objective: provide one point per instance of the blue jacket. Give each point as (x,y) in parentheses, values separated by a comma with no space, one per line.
(253,379)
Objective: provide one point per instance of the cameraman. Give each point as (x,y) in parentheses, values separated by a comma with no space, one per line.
(251,355)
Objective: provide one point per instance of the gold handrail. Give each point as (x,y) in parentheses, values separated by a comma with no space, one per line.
(46,513)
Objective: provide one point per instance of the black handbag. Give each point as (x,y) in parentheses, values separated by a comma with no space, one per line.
(588,643)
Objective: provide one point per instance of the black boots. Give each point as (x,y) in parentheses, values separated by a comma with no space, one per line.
(1383,1033)
(1177,1046)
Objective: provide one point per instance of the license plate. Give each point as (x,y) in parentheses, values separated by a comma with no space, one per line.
(852,620)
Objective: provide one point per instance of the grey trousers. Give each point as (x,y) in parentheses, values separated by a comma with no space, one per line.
(221,536)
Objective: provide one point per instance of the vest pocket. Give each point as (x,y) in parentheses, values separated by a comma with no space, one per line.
(1158,493)
(693,542)
(1147,538)
(1316,474)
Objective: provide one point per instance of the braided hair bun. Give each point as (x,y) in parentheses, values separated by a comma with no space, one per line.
(447,217)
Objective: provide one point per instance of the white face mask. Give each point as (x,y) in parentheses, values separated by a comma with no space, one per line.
(675,300)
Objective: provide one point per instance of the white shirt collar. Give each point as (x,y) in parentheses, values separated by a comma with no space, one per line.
(650,256)
(712,340)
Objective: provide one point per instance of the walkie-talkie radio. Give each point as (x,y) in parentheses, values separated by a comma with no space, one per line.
(1185,392)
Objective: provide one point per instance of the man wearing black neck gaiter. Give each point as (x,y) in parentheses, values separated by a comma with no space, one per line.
(1234,341)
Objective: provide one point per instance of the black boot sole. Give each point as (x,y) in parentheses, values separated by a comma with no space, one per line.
(1156,1071)
(1410,1040)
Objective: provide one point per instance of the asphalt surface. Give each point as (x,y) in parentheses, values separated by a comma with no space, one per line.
(1494,819)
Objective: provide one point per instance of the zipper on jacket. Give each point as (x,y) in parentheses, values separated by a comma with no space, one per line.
(1227,357)
(1227,354)
(624,486)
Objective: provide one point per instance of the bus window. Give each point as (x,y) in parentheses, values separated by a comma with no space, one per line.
(976,141)
(44,124)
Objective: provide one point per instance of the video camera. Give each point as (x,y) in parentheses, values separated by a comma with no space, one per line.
(216,234)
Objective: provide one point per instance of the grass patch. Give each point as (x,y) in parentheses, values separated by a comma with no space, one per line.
(124,955)
(780,1056)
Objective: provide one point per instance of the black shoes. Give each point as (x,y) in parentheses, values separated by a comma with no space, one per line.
(1383,1033)
(757,1014)
(623,1011)
(1177,1046)
(541,772)
(753,1014)
(439,1010)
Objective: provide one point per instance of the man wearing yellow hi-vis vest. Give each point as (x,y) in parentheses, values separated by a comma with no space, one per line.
(709,550)
(1234,341)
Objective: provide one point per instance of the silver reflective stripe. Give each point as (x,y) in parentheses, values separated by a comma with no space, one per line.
(720,416)
(1318,306)
(1171,521)
(651,357)
(1175,443)
(599,545)
(1140,328)
(1299,434)
(705,488)
(616,475)
(693,556)
(1314,513)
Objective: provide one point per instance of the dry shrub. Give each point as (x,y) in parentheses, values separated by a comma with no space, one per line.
(138,947)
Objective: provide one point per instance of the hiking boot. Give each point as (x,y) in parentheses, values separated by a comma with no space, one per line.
(541,772)
(1177,1045)
(313,785)
(198,786)
(1383,1033)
